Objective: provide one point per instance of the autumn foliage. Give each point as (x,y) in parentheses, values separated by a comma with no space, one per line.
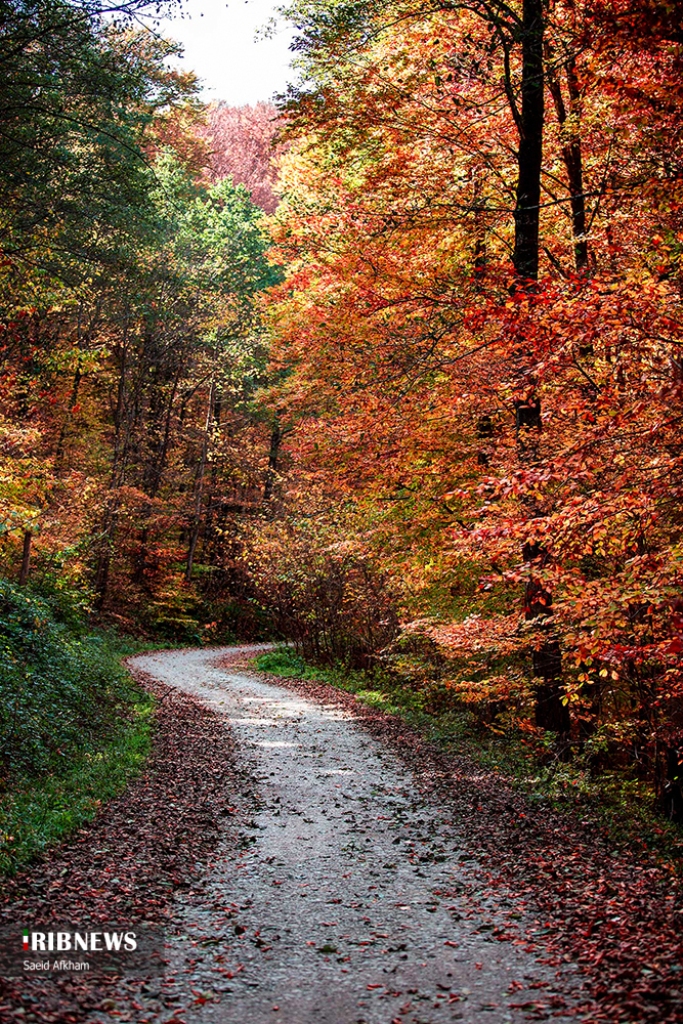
(426,414)
(242,144)
(487,386)
(130,340)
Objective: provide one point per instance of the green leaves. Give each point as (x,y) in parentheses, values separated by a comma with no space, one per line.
(60,687)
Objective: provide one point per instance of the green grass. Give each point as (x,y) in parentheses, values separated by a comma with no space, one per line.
(74,727)
(37,812)
(620,806)
(396,699)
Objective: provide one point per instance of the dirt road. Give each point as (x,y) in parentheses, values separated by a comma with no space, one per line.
(343,895)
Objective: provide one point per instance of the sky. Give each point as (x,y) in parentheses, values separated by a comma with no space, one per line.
(220,46)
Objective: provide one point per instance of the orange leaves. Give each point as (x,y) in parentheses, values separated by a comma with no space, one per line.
(405,351)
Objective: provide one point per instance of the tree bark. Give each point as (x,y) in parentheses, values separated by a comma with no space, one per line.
(199,487)
(572,157)
(672,796)
(275,441)
(26,558)
(530,153)
(66,424)
(551,713)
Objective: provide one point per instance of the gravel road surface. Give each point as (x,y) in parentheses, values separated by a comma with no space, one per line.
(341,894)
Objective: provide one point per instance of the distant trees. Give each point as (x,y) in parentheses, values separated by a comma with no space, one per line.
(243,147)
(131,346)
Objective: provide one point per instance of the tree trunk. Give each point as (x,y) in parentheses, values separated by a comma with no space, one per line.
(550,712)
(572,157)
(547,660)
(26,558)
(66,425)
(275,441)
(106,546)
(530,153)
(672,797)
(199,488)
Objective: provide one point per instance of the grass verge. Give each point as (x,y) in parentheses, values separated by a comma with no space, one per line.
(74,727)
(35,813)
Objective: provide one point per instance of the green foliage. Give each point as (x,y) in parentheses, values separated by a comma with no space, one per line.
(375,688)
(73,725)
(61,688)
(78,96)
(283,661)
(38,812)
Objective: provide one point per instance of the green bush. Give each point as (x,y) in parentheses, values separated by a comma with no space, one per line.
(74,727)
(38,812)
(282,661)
(61,688)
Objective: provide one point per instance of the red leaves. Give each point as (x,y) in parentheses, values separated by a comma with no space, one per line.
(128,862)
(613,913)
(242,143)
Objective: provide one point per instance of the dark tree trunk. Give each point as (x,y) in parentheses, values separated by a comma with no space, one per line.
(275,441)
(196,526)
(573,159)
(103,565)
(530,153)
(672,795)
(479,255)
(25,558)
(551,713)
(66,425)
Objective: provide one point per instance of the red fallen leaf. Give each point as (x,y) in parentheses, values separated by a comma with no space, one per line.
(164,831)
(374,986)
(448,942)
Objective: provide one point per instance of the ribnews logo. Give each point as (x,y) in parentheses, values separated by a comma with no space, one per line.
(109,950)
(94,942)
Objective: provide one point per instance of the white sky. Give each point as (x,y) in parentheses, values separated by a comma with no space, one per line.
(220,46)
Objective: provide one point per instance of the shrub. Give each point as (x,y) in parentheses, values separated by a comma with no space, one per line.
(61,688)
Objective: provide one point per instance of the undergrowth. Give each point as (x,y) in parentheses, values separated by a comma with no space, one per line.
(37,813)
(74,727)
(621,806)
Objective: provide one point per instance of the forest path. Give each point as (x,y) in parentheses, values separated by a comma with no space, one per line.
(341,893)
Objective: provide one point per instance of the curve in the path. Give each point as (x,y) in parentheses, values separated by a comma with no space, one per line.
(341,903)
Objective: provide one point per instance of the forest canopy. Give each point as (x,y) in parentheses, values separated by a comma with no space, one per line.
(131,344)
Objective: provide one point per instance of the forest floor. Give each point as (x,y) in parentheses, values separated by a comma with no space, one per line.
(314,861)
